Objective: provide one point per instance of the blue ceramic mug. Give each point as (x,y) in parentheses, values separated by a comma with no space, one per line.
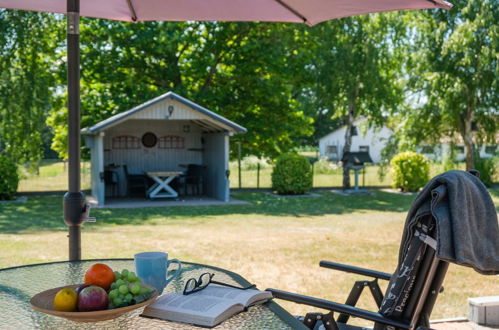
(151,268)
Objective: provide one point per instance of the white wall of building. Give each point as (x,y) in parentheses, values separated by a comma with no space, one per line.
(376,139)
(438,153)
(373,138)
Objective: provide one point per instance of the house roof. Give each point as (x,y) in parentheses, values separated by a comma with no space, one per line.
(356,122)
(111,121)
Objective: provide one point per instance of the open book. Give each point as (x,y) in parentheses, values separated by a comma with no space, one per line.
(207,307)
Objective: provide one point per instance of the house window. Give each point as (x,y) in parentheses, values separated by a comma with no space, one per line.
(149,140)
(459,149)
(125,142)
(363,148)
(490,149)
(427,150)
(331,150)
(354,131)
(171,142)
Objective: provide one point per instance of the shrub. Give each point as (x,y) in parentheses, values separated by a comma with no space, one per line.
(487,168)
(292,175)
(9,178)
(410,171)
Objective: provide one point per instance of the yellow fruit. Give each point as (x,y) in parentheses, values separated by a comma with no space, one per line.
(66,300)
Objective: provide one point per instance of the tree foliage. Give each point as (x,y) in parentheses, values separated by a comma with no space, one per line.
(286,83)
(28,43)
(9,178)
(357,71)
(243,71)
(453,69)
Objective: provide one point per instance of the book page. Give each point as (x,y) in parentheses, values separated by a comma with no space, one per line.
(205,306)
(244,297)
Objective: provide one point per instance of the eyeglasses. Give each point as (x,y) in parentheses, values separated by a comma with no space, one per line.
(194,285)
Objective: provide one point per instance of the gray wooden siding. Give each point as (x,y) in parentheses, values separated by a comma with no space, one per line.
(95,143)
(180,112)
(216,159)
(153,159)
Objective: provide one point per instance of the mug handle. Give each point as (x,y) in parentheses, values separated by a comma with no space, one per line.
(177,272)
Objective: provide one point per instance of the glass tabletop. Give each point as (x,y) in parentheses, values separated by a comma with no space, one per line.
(19,284)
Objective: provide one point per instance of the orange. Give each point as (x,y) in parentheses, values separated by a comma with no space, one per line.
(65,300)
(100,275)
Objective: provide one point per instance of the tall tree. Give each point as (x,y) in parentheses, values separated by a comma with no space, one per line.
(253,73)
(241,70)
(454,72)
(357,70)
(26,80)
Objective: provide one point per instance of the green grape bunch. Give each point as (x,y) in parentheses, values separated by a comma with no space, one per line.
(127,289)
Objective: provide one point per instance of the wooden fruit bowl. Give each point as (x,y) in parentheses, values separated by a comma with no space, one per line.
(43,302)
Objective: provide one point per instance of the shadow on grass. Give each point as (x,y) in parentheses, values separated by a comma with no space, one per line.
(45,212)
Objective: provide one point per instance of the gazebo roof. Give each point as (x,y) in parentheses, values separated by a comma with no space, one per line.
(356,158)
(111,121)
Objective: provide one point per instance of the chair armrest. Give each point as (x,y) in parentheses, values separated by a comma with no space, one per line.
(337,307)
(355,270)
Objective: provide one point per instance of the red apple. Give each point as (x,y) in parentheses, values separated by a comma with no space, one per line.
(92,298)
(81,287)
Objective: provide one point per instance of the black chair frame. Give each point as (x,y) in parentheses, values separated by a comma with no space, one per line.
(194,178)
(135,181)
(427,284)
(111,179)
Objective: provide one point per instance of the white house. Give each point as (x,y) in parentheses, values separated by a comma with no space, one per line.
(374,140)
(438,152)
(365,138)
(166,133)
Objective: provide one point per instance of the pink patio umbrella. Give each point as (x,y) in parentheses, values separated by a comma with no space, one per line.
(300,11)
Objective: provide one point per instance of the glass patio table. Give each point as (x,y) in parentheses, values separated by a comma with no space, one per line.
(19,284)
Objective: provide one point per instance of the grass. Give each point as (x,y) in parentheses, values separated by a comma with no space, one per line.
(52,176)
(273,241)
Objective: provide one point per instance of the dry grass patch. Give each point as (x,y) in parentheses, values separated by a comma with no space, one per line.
(273,242)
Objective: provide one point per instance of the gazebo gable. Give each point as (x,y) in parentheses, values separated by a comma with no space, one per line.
(171,106)
(172,109)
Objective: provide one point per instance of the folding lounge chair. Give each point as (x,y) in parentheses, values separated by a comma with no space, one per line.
(412,290)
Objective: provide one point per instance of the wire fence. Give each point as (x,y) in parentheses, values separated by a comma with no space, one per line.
(259,176)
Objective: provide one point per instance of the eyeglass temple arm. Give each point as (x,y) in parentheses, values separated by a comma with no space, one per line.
(233,286)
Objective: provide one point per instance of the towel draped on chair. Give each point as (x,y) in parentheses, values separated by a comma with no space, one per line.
(466,221)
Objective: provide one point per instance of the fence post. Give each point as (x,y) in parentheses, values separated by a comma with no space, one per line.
(239,162)
(364,177)
(313,174)
(258,176)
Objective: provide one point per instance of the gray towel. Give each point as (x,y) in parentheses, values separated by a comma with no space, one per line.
(466,219)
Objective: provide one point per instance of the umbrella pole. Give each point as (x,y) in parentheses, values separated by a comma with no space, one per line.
(74,199)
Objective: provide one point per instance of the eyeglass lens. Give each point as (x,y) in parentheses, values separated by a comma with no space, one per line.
(190,285)
(204,280)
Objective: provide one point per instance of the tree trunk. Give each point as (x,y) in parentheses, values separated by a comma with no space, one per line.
(348,142)
(467,135)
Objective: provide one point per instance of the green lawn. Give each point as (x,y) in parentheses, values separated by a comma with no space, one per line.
(52,176)
(273,241)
